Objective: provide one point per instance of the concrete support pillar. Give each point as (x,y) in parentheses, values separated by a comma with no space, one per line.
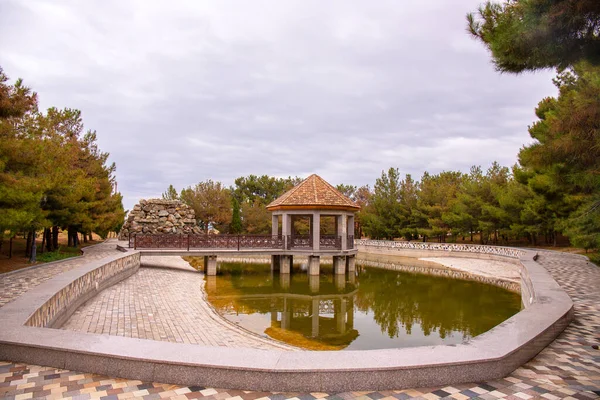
(315,318)
(340,282)
(342,225)
(339,265)
(313,283)
(351,264)
(316,230)
(314,265)
(284,281)
(275,263)
(285,264)
(210,265)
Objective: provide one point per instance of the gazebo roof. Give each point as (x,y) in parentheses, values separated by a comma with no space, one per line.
(313,193)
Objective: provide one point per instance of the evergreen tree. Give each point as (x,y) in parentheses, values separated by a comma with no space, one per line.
(170,194)
(536,34)
(236,218)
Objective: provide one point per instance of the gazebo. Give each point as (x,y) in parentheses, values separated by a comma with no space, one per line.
(297,217)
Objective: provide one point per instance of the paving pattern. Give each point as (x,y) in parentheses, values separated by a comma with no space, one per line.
(163,304)
(568,369)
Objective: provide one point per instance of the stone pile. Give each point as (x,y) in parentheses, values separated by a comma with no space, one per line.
(156,216)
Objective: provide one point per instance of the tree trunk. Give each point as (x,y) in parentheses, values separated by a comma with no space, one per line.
(48,234)
(55,237)
(85,238)
(43,241)
(91,237)
(28,244)
(554,238)
(32,257)
(10,248)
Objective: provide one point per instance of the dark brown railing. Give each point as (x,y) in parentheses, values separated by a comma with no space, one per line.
(171,241)
(350,242)
(330,242)
(193,241)
(300,242)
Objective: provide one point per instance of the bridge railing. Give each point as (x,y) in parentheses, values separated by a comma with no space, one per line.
(194,241)
(237,242)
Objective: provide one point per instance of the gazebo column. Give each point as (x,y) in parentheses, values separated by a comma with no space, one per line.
(315,228)
(286,228)
(350,231)
(341,229)
(275,225)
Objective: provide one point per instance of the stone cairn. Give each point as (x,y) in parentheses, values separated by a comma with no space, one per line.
(156,216)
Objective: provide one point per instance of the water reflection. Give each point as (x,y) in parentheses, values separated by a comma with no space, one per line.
(376,309)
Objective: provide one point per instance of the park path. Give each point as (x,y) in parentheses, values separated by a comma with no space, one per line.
(567,369)
(15,283)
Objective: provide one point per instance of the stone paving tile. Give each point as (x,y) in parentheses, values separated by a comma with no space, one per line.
(567,369)
(166,305)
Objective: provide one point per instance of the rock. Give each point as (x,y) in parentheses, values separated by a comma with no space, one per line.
(157,216)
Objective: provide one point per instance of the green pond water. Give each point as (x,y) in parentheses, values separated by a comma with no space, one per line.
(373,309)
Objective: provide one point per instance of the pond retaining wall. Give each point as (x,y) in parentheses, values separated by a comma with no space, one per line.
(26,336)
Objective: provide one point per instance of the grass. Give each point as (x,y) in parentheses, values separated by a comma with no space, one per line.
(60,254)
(595,258)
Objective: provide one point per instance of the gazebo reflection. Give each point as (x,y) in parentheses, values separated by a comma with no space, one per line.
(323,313)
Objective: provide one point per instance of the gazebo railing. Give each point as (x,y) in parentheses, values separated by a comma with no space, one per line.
(350,242)
(300,242)
(330,242)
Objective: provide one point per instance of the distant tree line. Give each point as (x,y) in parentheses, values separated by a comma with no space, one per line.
(52,174)
(554,189)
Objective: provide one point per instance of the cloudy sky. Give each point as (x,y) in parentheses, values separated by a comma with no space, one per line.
(184,91)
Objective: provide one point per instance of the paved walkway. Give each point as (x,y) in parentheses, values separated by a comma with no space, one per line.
(163,304)
(569,368)
(15,283)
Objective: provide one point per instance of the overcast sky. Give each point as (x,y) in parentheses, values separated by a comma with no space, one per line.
(184,91)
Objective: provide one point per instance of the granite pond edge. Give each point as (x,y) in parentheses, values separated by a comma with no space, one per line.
(27,336)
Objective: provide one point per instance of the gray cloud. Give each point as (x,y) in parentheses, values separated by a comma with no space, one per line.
(184,91)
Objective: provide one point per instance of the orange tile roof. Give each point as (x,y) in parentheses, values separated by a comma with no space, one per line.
(313,193)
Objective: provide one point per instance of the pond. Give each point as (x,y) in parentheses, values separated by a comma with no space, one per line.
(373,309)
